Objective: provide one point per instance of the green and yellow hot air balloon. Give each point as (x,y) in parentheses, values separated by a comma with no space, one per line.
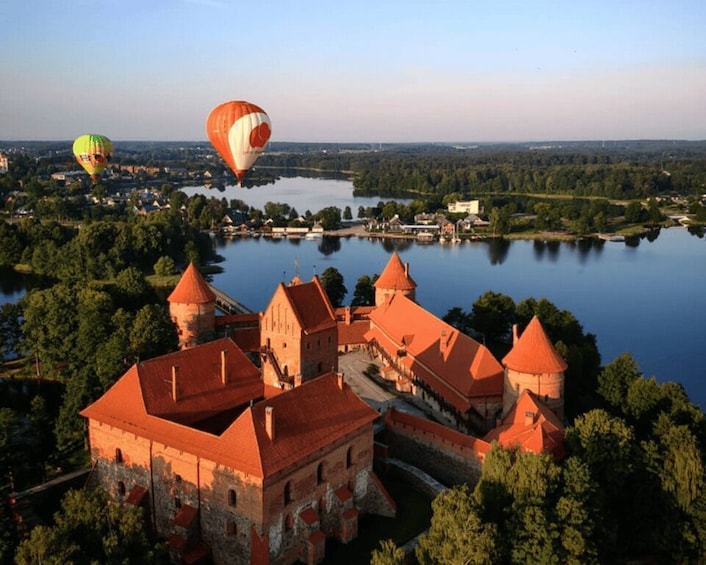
(93,153)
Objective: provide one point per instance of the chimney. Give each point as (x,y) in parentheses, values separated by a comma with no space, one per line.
(224,367)
(515,337)
(340,380)
(270,422)
(348,315)
(529,418)
(175,389)
(442,342)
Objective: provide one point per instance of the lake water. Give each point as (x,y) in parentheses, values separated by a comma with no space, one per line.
(647,298)
(302,193)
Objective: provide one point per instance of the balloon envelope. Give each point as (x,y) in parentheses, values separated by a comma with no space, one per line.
(93,153)
(238,131)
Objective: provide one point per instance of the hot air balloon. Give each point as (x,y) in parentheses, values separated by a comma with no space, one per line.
(238,131)
(93,153)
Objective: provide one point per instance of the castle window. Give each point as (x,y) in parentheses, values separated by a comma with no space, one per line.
(121,488)
(329,339)
(320,474)
(284,345)
(232,499)
(177,502)
(231,528)
(349,458)
(288,493)
(177,478)
(118,455)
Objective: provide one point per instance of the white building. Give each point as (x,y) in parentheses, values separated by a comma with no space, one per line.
(466,207)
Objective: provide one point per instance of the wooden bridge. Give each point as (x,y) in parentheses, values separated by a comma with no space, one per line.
(228,305)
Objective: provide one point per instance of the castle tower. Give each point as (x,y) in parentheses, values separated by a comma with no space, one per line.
(534,364)
(298,335)
(192,306)
(394,279)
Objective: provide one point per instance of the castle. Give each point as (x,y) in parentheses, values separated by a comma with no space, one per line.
(253,449)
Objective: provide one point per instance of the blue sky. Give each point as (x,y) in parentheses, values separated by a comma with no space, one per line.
(369,71)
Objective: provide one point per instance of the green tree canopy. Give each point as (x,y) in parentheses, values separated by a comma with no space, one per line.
(87,530)
(457,535)
(332,281)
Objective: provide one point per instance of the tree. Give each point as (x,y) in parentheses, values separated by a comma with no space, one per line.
(492,315)
(457,535)
(332,281)
(615,379)
(88,529)
(10,330)
(329,217)
(347,213)
(9,429)
(654,214)
(364,292)
(153,332)
(388,554)
(499,221)
(459,319)
(164,266)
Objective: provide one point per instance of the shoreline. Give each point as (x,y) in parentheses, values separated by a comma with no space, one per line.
(359,230)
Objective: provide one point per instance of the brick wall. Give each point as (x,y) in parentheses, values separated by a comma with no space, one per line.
(450,456)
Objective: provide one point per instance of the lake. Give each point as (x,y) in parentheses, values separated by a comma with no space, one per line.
(647,298)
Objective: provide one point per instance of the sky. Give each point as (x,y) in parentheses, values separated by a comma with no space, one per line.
(373,71)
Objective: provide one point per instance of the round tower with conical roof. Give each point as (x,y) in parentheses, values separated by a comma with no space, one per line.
(192,306)
(535,365)
(394,279)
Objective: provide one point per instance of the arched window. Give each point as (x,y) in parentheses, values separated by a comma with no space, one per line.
(232,499)
(177,502)
(288,493)
(349,458)
(320,473)
(121,488)
(118,455)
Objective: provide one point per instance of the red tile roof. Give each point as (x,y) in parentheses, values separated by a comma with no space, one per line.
(310,305)
(457,366)
(395,276)
(531,426)
(534,353)
(301,426)
(192,289)
(200,391)
(352,333)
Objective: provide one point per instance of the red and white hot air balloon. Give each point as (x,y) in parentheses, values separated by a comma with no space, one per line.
(238,131)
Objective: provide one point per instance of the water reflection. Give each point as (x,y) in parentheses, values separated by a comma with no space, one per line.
(329,245)
(498,248)
(652,235)
(632,240)
(698,231)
